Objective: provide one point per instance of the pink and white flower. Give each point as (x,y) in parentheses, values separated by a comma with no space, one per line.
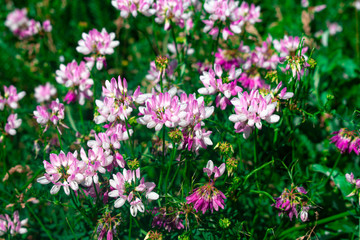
(44,92)
(13,227)
(132,7)
(12,124)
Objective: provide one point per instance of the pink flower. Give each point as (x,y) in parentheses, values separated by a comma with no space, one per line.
(43,116)
(167,218)
(63,171)
(125,189)
(13,227)
(16,19)
(77,78)
(288,46)
(44,92)
(208,196)
(346,140)
(118,103)
(333,28)
(224,83)
(161,109)
(250,110)
(12,124)
(11,97)
(47,26)
(132,6)
(171,11)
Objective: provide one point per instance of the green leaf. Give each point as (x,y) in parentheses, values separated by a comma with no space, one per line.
(338,178)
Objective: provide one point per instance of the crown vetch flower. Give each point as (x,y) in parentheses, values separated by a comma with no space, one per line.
(176,11)
(13,227)
(44,117)
(291,201)
(12,124)
(77,78)
(167,218)
(224,83)
(98,44)
(161,109)
(44,92)
(132,6)
(125,189)
(63,171)
(346,140)
(250,110)
(11,97)
(208,196)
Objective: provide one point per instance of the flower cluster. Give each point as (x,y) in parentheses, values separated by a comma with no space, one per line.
(108,225)
(291,201)
(228,14)
(219,82)
(13,227)
(133,6)
(208,196)
(53,113)
(43,93)
(250,110)
(167,218)
(127,187)
(346,141)
(11,98)
(22,27)
(98,44)
(76,77)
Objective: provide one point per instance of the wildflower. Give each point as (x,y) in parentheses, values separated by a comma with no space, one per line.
(161,109)
(207,196)
(153,235)
(77,78)
(12,124)
(44,118)
(291,201)
(132,6)
(333,28)
(250,110)
(63,171)
(288,46)
(216,81)
(22,27)
(171,11)
(13,227)
(44,92)
(356,185)
(108,225)
(167,218)
(98,44)
(11,97)
(346,140)
(125,189)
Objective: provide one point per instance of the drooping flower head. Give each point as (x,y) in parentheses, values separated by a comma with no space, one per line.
(291,201)
(167,218)
(208,197)
(12,123)
(346,141)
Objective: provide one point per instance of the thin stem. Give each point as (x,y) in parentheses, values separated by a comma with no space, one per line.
(255,157)
(130,226)
(39,221)
(130,139)
(174,37)
(59,137)
(81,117)
(357,34)
(216,46)
(333,168)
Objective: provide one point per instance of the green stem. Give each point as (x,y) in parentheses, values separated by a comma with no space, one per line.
(256,170)
(322,221)
(59,137)
(81,117)
(255,157)
(130,139)
(333,168)
(130,226)
(39,221)
(174,37)
(216,46)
